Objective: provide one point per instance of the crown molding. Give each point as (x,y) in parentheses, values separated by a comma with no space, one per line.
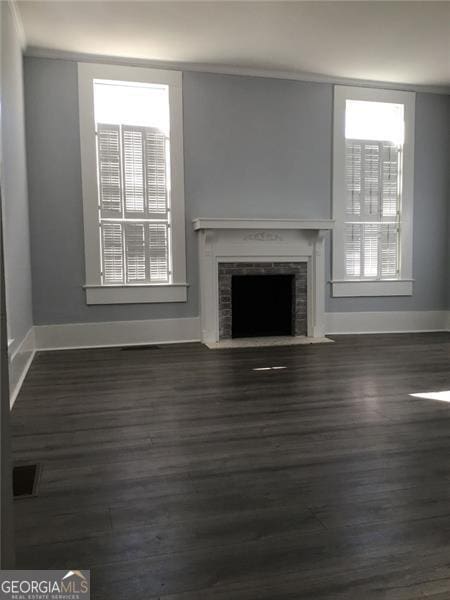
(37,52)
(18,23)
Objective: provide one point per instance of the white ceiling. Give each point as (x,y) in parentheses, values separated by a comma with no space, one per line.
(404,42)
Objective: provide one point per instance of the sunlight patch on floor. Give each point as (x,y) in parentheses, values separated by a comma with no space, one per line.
(442,396)
(268,368)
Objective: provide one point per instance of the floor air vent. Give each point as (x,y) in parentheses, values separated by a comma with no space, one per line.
(25,480)
(143,347)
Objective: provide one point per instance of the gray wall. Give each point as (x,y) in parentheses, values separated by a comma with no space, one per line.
(448,204)
(15,200)
(253,147)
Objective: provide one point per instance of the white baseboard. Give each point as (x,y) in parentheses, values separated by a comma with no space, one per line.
(117,333)
(387,322)
(19,363)
(167,331)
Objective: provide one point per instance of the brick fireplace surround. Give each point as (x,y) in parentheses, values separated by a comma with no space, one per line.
(227,270)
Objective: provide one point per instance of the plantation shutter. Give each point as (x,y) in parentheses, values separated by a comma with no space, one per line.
(389,250)
(133,167)
(135,252)
(370,247)
(158,252)
(371,238)
(110,188)
(390,180)
(353,158)
(156,172)
(371,180)
(352,244)
(133,170)
(112,252)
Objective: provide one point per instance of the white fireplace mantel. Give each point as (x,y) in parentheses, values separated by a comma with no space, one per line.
(263,224)
(261,240)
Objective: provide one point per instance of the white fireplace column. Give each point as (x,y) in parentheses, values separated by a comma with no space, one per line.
(261,240)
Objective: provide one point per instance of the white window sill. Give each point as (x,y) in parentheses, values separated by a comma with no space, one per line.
(135,294)
(387,287)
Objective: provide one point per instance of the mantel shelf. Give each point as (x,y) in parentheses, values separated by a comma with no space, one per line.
(293,224)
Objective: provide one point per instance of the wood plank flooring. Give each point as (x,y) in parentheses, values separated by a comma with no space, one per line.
(181,473)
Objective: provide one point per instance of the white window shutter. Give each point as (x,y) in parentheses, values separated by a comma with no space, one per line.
(156,167)
(371,180)
(112,252)
(135,252)
(109,176)
(389,250)
(390,179)
(353,156)
(133,170)
(371,249)
(372,175)
(158,252)
(134,238)
(353,249)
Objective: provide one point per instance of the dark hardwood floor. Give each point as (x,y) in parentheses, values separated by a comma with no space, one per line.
(181,473)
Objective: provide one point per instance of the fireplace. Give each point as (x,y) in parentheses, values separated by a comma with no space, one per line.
(262,299)
(263,248)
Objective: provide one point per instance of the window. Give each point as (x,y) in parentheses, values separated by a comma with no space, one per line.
(133,197)
(372,192)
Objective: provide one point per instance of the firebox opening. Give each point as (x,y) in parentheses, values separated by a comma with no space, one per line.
(262,305)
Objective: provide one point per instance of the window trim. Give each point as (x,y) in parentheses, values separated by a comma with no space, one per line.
(340,285)
(96,292)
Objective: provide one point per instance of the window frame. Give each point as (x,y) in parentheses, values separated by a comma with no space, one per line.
(96,292)
(342,286)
